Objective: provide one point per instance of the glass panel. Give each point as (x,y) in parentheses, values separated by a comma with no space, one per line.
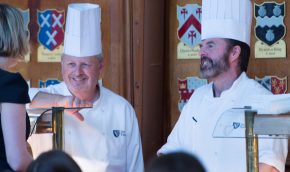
(231,124)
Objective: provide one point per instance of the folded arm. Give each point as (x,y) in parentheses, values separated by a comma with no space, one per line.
(48,100)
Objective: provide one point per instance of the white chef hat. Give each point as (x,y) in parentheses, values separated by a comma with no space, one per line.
(83,30)
(226,19)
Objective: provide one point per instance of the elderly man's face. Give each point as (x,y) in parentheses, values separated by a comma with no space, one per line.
(81,75)
(214,57)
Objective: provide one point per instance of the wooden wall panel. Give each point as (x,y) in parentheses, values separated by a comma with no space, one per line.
(148,66)
(138,54)
(153,62)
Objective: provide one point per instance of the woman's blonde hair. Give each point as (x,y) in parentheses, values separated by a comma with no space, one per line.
(14,40)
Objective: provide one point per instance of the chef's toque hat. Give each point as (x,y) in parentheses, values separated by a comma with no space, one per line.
(227,19)
(83,30)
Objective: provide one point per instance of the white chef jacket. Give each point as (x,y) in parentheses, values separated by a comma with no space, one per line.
(193,131)
(108,139)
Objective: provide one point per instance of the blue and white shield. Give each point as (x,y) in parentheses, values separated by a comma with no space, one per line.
(51,33)
(265,82)
(189,29)
(270,26)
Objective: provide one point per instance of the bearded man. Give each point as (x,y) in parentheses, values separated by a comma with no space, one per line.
(224,52)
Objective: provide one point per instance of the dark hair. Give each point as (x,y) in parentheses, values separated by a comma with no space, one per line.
(245,53)
(54,161)
(176,162)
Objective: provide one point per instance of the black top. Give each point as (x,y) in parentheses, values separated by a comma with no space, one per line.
(13,89)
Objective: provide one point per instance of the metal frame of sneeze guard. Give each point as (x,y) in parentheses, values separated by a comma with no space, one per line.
(57,117)
(247,123)
(277,125)
(251,142)
(57,127)
(57,123)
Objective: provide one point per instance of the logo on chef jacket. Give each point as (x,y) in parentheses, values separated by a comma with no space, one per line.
(118,133)
(237,125)
(51,33)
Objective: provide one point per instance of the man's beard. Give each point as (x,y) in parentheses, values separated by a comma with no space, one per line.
(210,68)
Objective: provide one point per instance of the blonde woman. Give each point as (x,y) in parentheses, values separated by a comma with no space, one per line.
(14,126)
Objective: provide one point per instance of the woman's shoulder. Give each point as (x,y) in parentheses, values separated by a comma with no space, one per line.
(9,79)
(13,88)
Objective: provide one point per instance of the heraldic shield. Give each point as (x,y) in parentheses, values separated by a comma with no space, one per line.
(51,33)
(189,29)
(186,87)
(274,84)
(270,26)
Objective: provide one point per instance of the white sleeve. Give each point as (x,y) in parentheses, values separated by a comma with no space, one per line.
(32,92)
(273,152)
(50,89)
(53,89)
(134,145)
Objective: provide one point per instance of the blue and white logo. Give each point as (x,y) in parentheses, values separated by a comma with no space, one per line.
(237,125)
(118,133)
